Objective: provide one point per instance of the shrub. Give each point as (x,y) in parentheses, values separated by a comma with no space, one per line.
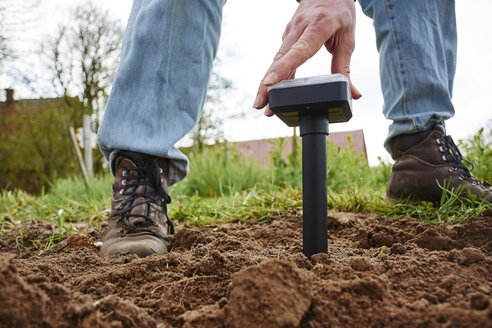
(478,150)
(35,147)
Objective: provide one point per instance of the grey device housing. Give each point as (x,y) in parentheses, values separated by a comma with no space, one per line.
(325,94)
(313,103)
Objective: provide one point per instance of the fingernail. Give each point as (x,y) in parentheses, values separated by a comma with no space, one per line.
(258,101)
(270,79)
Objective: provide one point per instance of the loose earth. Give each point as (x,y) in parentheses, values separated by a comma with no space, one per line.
(378,273)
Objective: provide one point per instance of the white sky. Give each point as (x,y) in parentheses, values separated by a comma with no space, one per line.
(251,35)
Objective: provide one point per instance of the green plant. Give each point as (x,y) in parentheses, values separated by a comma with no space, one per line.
(478,150)
(35,146)
(381,251)
(284,171)
(219,172)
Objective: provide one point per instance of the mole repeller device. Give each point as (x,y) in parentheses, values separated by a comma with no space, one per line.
(312,103)
(328,94)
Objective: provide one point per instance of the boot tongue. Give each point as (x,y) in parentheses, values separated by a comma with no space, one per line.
(137,158)
(150,170)
(439,127)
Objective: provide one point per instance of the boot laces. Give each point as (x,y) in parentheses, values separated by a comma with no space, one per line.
(452,154)
(146,175)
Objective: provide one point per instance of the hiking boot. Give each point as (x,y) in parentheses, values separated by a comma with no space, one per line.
(138,223)
(426,162)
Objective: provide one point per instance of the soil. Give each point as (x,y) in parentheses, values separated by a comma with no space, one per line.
(378,273)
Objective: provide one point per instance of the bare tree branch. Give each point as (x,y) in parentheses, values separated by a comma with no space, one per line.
(84,57)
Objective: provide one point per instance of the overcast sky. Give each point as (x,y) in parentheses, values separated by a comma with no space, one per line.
(251,35)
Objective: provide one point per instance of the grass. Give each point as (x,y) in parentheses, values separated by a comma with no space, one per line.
(67,201)
(253,205)
(451,209)
(223,187)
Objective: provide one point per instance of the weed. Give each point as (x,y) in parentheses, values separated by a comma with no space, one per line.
(20,239)
(381,251)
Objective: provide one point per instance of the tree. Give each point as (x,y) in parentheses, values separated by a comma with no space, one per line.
(83,58)
(5,50)
(210,125)
(14,15)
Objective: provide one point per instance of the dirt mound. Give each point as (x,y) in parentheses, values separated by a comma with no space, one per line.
(378,273)
(274,293)
(33,303)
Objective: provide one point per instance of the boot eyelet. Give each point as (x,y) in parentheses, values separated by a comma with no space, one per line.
(121,192)
(441,149)
(460,178)
(124,173)
(443,157)
(450,169)
(160,171)
(123,182)
(437,141)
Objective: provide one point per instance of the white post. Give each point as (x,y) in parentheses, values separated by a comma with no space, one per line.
(79,156)
(88,145)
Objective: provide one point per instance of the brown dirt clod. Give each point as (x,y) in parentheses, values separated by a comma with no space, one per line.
(274,293)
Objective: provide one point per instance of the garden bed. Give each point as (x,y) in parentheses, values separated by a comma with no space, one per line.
(378,273)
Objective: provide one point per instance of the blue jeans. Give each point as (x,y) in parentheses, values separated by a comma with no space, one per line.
(160,87)
(416,40)
(169,47)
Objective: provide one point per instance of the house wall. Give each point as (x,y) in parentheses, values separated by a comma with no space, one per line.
(260,149)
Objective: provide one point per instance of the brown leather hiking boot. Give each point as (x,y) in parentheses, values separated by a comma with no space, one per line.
(421,170)
(138,223)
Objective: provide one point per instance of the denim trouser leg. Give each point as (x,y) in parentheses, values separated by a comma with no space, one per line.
(416,40)
(160,87)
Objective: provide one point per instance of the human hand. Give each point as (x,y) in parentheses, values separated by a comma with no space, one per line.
(314,24)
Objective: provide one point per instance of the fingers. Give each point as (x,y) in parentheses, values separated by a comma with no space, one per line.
(308,44)
(342,54)
(268,111)
(283,65)
(287,42)
(288,39)
(261,97)
(316,22)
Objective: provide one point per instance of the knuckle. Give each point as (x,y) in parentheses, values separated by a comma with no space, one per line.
(345,70)
(278,55)
(298,19)
(302,44)
(321,17)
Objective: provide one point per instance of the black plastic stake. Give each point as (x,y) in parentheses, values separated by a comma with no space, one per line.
(312,103)
(313,130)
